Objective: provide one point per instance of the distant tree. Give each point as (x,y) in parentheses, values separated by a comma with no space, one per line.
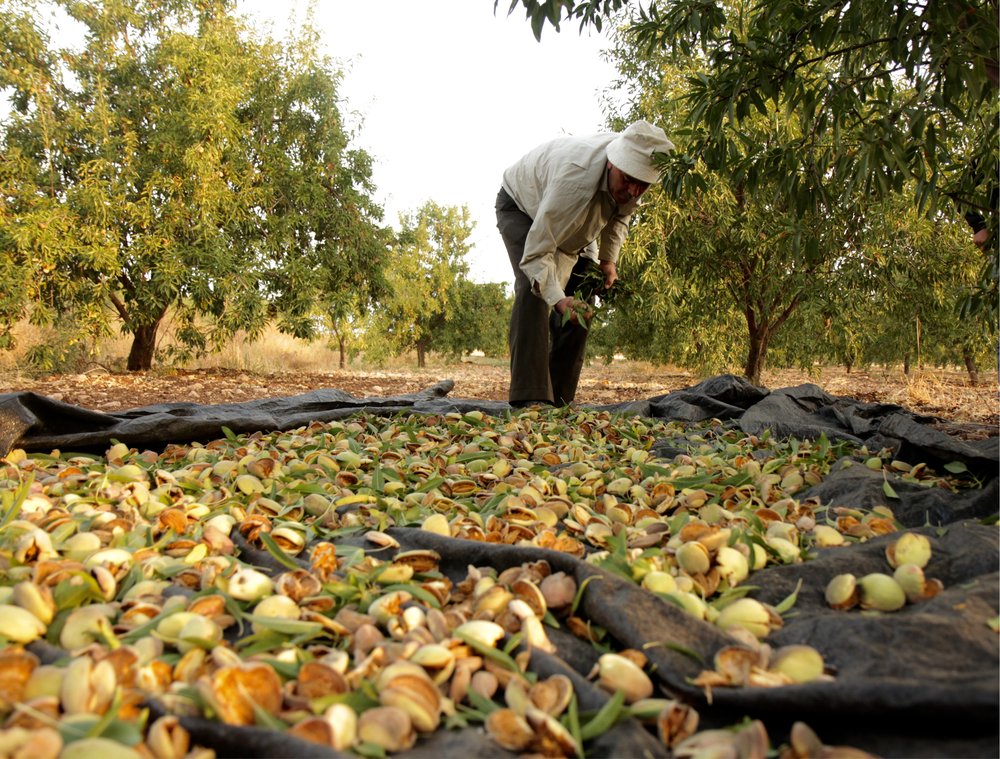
(180,162)
(478,320)
(429,259)
(729,260)
(899,295)
(724,254)
(344,319)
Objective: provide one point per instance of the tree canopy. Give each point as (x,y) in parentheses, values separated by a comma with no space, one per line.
(733,249)
(880,89)
(179,162)
(431,303)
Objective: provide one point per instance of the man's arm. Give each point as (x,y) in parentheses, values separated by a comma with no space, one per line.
(610,271)
(557,212)
(612,239)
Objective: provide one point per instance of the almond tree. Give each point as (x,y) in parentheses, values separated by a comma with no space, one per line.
(479,320)
(896,300)
(878,88)
(429,260)
(724,267)
(182,163)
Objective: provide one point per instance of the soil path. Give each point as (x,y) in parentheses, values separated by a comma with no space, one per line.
(944,394)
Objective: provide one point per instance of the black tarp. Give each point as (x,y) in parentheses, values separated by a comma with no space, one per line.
(921,682)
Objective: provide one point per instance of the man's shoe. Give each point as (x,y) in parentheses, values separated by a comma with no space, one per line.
(525,404)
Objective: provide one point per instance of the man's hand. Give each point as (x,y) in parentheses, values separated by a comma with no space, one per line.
(610,272)
(576,309)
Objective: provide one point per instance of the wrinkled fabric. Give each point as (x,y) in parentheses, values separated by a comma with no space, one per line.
(920,682)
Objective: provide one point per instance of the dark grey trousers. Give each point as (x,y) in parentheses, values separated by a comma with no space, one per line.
(545,357)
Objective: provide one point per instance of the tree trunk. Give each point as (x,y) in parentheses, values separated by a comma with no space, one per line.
(763,320)
(756,354)
(970,365)
(421,353)
(906,364)
(140,356)
(342,345)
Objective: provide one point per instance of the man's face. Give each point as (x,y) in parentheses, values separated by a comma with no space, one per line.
(624,188)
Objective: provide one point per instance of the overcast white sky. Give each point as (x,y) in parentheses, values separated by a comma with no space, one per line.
(448,95)
(445,95)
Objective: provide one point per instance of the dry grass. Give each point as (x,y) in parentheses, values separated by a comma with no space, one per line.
(276,358)
(273,352)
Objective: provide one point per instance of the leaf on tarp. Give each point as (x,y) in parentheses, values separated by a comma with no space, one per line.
(605,718)
(277,552)
(889,490)
(790,600)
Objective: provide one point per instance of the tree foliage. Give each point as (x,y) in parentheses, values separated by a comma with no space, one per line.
(896,300)
(178,162)
(432,302)
(734,250)
(880,90)
(478,321)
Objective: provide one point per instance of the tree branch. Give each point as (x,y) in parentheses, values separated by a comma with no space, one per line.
(119,307)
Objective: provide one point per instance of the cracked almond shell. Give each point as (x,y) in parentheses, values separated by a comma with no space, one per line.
(747,613)
(388,727)
(842,592)
(509,729)
(237,689)
(616,672)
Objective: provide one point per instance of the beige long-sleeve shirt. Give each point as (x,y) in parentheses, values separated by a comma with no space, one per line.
(563,186)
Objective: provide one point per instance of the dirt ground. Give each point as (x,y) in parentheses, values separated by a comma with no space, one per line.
(947,395)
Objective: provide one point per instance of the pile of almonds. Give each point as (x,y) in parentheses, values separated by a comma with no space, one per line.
(130,579)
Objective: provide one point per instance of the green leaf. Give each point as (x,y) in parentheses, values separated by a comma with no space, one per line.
(956,467)
(378,479)
(263,717)
(430,483)
(790,600)
(75,591)
(573,724)
(482,704)
(276,551)
(888,489)
(489,652)
(129,733)
(605,718)
(372,750)
(288,670)
(80,727)
(688,652)
(513,642)
(358,700)
(579,592)
(13,501)
(416,591)
(286,626)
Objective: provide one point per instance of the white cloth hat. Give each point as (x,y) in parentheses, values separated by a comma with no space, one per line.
(632,150)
